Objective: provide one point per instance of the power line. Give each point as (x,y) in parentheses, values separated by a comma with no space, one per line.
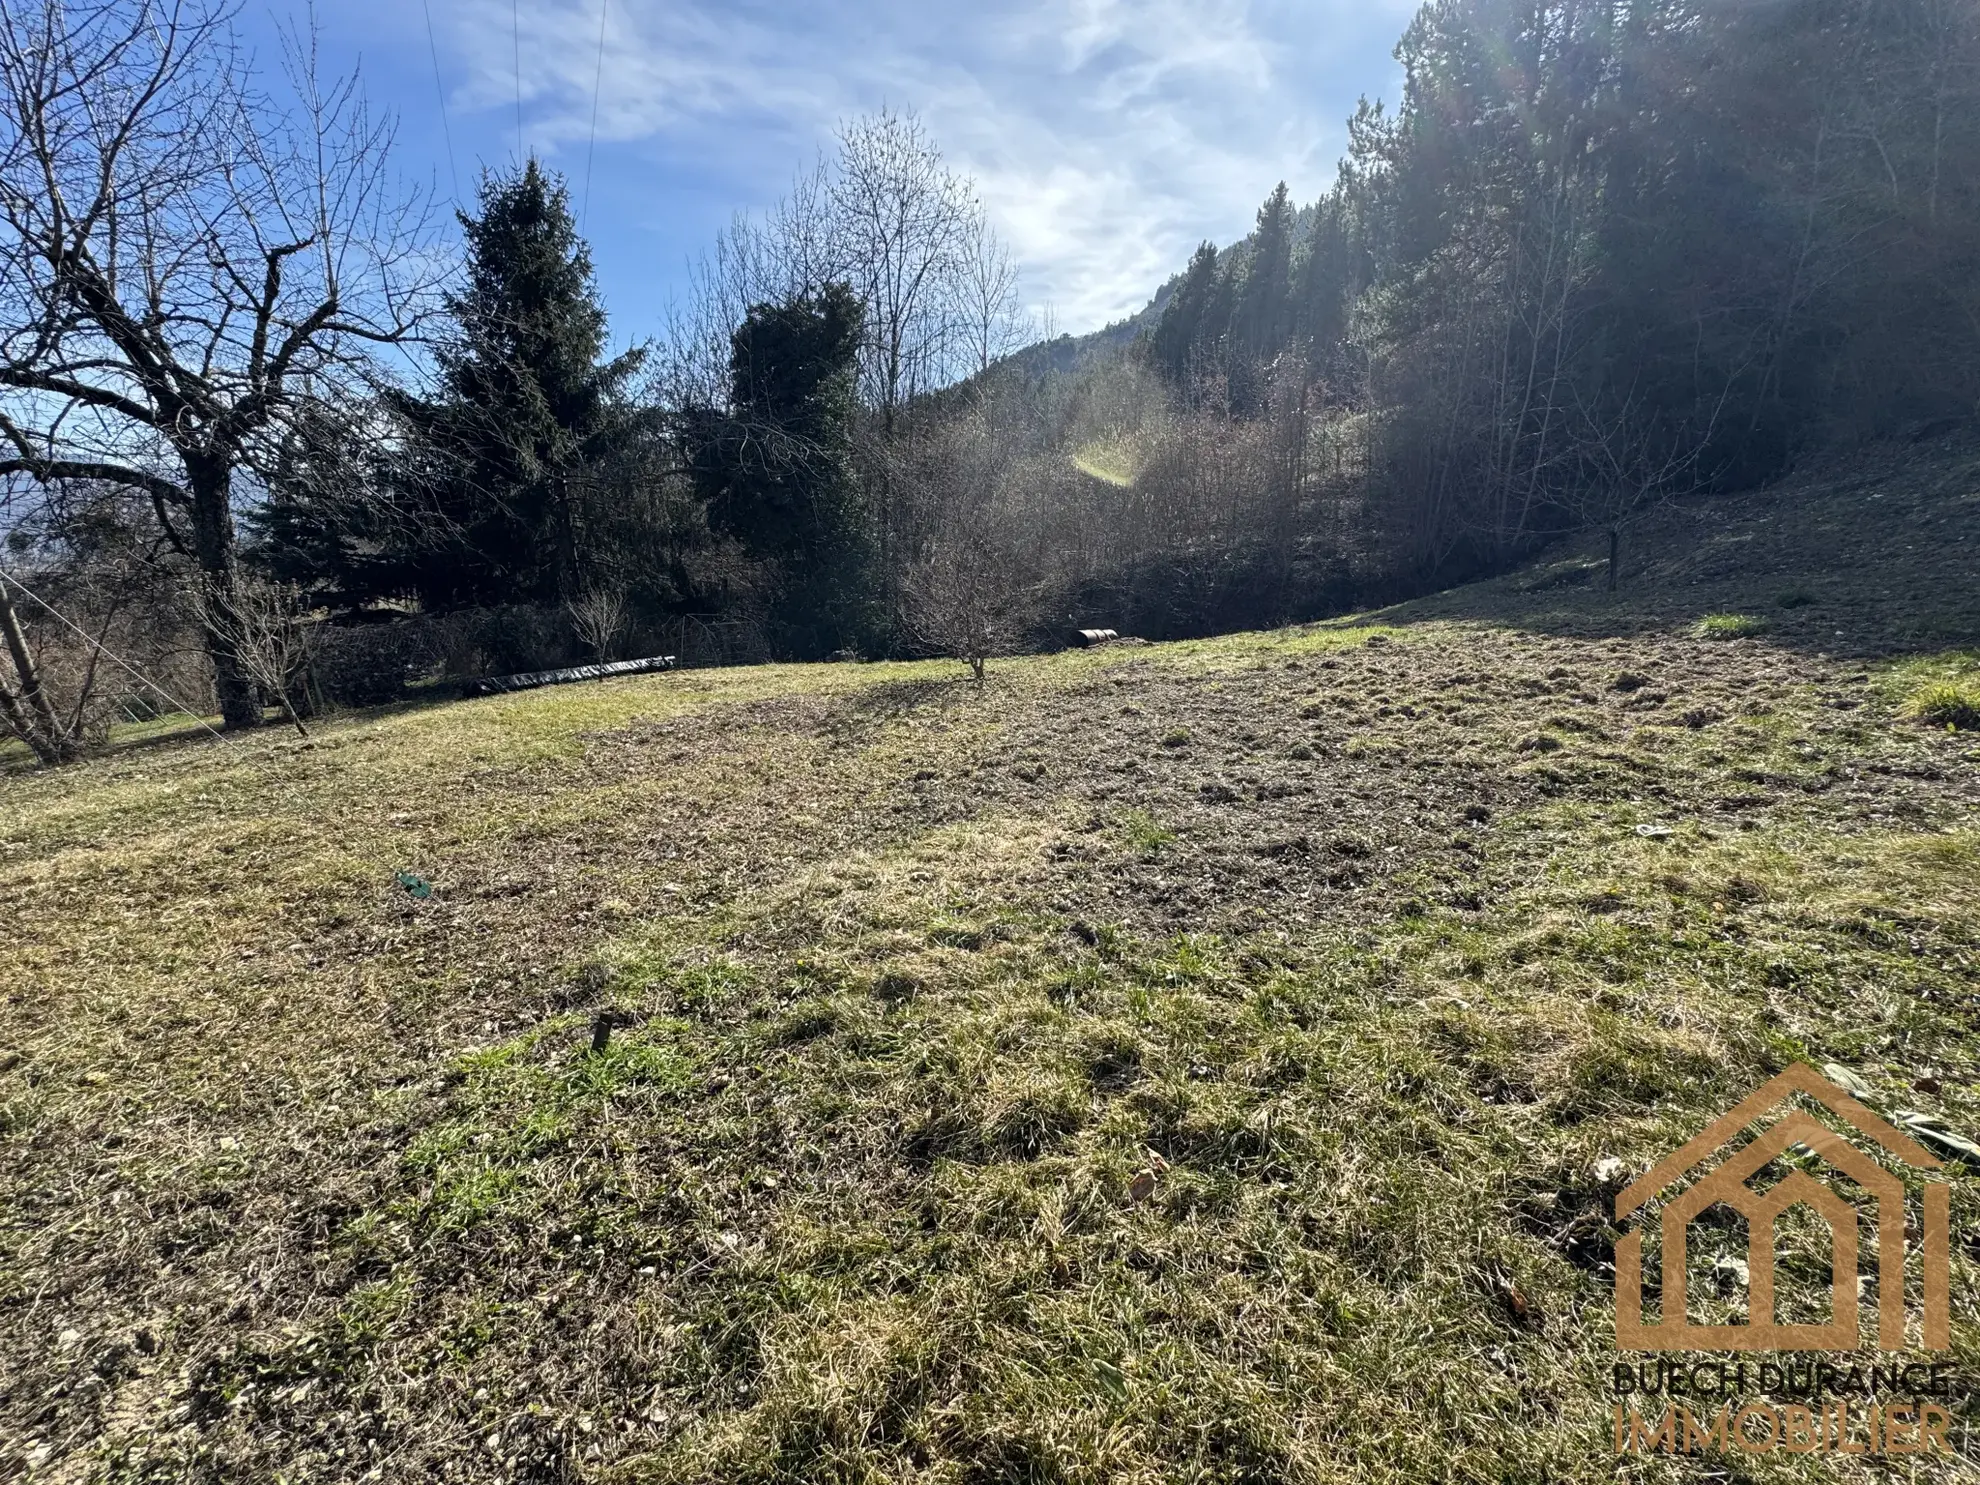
(515,37)
(441,93)
(88,638)
(597,82)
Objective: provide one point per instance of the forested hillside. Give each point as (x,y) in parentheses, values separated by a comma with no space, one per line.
(1597,259)
(1601,252)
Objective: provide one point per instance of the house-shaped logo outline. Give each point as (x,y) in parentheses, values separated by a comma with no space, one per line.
(1727,1183)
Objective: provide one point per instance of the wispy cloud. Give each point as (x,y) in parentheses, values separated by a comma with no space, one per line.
(1107,136)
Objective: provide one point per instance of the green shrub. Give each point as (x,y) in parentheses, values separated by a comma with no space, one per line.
(1729,626)
(1795,598)
(1954,704)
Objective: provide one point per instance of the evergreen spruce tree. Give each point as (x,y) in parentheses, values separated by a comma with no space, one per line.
(1323,284)
(497,463)
(1179,333)
(1262,309)
(1214,339)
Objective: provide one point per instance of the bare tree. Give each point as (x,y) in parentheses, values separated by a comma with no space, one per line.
(599,617)
(970,591)
(968,596)
(185,264)
(903,225)
(992,322)
(1624,466)
(750,263)
(888,217)
(269,629)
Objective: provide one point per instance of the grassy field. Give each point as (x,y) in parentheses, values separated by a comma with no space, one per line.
(1207,1062)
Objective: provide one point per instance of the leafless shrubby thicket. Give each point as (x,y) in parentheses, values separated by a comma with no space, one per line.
(29,707)
(1127,508)
(972,586)
(599,618)
(271,629)
(87,610)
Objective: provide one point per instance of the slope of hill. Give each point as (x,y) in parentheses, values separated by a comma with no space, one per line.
(1067,353)
(1869,554)
(1200,1061)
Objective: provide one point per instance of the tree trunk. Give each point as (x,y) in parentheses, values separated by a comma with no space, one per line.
(1615,551)
(293,713)
(23,728)
(31,715)
(211,481)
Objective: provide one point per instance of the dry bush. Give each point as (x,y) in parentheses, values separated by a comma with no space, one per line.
(599,619)
(500,640)
(367,665)
(370,664)
(47,699)
(272,631)
(970,597)
(90,621)
(970,590)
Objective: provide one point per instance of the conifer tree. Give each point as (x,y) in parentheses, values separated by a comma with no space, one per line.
(1262,307)
(498,462)
(1178,333)
(1322,283)
(776,467)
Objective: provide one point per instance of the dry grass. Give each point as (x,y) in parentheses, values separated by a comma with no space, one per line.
(999,1090)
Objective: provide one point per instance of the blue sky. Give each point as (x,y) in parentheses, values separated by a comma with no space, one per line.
(1107,137)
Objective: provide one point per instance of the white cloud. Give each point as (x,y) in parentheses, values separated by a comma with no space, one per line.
(1107,136)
